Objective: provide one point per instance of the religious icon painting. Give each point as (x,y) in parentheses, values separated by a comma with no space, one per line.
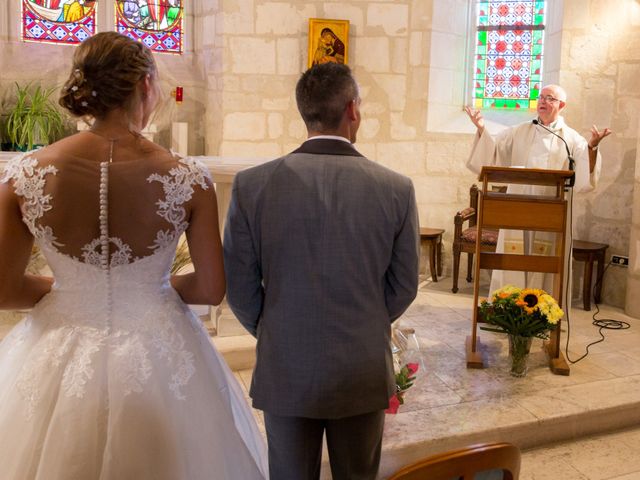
(508,57)
(156,23)
(328,41)
(66,22)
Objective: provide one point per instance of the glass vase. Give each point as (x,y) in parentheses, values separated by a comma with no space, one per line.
(406,349)
(519,348)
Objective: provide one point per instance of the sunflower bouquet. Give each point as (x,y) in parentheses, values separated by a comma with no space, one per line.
(524,312)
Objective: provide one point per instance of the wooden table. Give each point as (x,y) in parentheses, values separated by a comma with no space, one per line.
(589,252)
(433,238)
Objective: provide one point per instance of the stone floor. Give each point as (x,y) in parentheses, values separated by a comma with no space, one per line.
(562,423)
(585,426)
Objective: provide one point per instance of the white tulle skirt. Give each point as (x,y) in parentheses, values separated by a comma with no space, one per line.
(146,398)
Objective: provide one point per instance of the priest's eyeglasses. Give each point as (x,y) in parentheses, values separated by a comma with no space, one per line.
(547,99)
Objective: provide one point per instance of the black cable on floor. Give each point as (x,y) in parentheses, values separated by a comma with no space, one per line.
(601,323)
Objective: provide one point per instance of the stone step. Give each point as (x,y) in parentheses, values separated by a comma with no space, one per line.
(527,420)
(239,351)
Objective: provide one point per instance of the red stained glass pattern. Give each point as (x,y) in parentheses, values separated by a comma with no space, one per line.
(67,22)
(508,61)
(156,23)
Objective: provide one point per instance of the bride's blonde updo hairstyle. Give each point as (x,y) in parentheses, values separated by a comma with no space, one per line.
(105,73)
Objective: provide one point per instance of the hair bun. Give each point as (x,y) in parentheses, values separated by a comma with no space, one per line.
(107,68)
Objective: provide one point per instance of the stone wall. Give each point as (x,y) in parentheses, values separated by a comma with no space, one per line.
(409,57)
(257,50)
(600,60)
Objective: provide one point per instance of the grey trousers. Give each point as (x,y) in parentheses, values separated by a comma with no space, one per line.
(295,446)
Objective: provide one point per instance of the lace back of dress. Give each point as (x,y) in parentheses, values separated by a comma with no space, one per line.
(107,213)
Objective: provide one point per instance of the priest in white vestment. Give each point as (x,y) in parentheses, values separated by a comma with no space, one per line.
(531,146)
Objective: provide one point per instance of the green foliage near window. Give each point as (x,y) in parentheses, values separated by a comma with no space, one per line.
(34,120)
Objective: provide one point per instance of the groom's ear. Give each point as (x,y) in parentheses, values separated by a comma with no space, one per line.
(352,110)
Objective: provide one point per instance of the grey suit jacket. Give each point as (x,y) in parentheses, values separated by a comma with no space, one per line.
(321,255)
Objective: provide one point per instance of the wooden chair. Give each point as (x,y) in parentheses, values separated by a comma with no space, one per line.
(464,239)
(464,463)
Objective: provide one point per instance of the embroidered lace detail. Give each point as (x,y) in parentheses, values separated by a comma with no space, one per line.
(55,347)
(89,254)
(92,252)
(74,348)
(80,327)
(134,368)
(178,186)
(170,344)
(178,189)
(28,182)
(122,255)
(79,370)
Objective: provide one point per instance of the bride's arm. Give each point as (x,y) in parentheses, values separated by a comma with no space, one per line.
(17,289)
(206,285)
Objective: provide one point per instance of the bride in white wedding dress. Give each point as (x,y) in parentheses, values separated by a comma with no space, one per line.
(110,376)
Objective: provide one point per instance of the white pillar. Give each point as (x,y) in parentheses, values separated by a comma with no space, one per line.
(180,138)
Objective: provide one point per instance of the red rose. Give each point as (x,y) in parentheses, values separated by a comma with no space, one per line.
(413,368)
(394,405)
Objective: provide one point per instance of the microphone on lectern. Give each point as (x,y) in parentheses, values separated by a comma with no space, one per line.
(572,164)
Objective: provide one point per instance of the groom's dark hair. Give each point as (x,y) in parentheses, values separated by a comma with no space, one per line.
(322,94)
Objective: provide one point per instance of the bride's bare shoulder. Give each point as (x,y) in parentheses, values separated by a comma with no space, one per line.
(87,147)
(73,147)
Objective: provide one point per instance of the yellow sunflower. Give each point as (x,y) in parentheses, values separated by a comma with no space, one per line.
(529,299)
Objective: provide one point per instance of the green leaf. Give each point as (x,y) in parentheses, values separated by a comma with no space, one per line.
(489,329)
(34,118)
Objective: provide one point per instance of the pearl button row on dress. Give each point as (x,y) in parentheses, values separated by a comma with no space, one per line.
(104,227)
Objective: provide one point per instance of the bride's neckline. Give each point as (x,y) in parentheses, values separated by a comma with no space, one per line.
(112,139)
(117,137)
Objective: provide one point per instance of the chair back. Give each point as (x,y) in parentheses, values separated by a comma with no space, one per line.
(464,463)
(473,203)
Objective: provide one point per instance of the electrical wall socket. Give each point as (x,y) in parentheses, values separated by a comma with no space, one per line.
(620,260)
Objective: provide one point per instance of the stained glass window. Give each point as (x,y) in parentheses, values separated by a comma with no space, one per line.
(156,23)
(508,56)
(58,21)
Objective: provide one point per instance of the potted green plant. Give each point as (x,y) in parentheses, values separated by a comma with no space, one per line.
(34,120)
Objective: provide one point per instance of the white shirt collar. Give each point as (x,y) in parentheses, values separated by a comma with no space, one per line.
(329,137)
(557,125)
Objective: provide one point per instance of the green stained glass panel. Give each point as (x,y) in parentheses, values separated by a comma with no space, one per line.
(509,47)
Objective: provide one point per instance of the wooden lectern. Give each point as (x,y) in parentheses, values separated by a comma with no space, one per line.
(544,213)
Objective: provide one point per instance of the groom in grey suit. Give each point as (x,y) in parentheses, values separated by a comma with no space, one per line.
(321,256)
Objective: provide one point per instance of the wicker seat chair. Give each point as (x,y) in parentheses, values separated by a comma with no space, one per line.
(464,239)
